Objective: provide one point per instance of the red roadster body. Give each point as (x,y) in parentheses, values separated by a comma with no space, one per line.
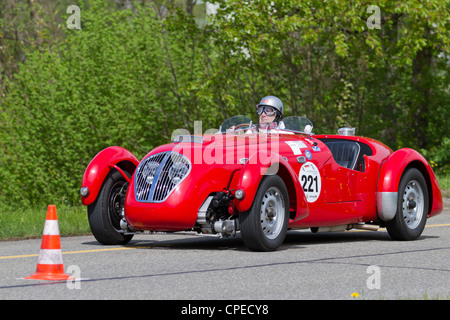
(261,182)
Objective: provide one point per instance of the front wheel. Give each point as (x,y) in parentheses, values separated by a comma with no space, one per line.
(412,207)
(264,227)
(105,213)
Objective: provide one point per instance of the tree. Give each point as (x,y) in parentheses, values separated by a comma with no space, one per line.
(136,71)
(324,61)
(124,79)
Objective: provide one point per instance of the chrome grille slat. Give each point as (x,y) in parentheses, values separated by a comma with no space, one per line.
(158,175)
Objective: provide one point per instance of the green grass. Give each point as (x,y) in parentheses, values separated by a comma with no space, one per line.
(444,184)
(28,222)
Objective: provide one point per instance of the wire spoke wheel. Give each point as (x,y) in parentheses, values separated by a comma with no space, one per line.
(115,207)
(106,212)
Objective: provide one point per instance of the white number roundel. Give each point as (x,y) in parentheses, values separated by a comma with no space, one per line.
(309,178)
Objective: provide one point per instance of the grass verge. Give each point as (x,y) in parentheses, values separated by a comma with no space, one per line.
(444,184)
(28,222)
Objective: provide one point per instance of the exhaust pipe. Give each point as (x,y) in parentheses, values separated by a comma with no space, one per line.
(345,227)
(330,229)
(368,227)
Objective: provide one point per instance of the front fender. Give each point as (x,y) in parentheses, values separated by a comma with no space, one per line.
(253,172)
(389,180)
(99,167)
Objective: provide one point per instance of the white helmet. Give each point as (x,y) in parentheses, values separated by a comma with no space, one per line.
(274,102)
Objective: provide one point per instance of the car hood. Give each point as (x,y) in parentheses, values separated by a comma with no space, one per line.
(220,148)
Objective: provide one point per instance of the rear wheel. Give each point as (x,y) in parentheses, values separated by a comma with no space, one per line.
(412,207)
(105,213)
(264,227)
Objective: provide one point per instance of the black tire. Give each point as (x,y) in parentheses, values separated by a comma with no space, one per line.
(412,207)
(104,213)
(264,227)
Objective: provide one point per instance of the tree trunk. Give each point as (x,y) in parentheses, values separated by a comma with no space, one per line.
(421,87)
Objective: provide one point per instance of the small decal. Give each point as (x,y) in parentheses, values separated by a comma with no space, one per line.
(295,146)
(316,148)
(308,154)
(310,181)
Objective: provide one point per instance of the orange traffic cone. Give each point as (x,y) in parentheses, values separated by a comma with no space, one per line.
(50,263)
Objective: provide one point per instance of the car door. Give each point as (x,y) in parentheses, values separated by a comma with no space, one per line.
(342,184)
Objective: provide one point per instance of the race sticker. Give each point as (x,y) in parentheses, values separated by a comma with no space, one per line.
(310,181)
(295,146)
(308,154)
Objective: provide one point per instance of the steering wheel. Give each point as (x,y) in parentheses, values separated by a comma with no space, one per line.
(241,125)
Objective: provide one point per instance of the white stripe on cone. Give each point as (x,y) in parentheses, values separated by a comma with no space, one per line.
(50,256)
(51,228)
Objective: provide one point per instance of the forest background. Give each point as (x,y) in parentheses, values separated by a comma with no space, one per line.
(137,70)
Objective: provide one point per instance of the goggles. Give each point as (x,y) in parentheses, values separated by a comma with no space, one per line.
(268,110)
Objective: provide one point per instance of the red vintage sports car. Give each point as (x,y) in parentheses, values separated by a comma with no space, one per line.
(260,181)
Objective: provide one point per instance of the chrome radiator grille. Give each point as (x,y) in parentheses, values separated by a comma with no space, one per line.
(158,175)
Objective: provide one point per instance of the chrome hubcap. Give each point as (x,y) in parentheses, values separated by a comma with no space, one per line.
(413,204)
(272,213)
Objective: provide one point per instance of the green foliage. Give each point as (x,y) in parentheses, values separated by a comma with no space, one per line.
(130,77)
(439,156)
(326,63)
(124,79)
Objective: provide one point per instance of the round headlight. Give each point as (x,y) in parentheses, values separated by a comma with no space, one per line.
(149,171)
(84,191)
(177,172)
(239,194)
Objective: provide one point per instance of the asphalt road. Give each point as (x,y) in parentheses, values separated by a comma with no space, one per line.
(309,266)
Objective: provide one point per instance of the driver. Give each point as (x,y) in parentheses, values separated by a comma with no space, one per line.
(270,109)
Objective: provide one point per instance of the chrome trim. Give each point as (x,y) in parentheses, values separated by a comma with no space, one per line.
(386,205)
(152,181)
(301,159)
(188,138)
(201,215)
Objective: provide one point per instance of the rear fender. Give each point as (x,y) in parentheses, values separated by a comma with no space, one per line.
(97,170)
(253,172)
(389,180)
